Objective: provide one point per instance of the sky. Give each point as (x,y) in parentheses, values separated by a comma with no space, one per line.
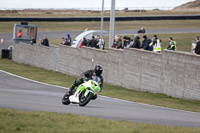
(79,4)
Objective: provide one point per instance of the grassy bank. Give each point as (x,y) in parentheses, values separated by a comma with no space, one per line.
(7,27)
(75,13)
(40,122)
(108,90)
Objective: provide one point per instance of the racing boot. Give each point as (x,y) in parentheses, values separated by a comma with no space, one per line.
(71,89)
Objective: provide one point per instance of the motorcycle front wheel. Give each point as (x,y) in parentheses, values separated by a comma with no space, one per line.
(84,100)
(65,99)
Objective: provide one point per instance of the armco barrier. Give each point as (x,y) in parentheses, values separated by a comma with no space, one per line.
(172,73)
(128,18)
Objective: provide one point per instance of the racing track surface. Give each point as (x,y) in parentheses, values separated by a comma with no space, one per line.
(21,94)
(58,34)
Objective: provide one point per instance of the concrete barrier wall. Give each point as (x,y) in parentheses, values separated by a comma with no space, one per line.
(39,56)
(176,74)
(181,75)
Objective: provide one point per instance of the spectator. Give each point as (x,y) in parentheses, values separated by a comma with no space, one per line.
(69,40)
(145,43)
(100,43)
(156,43)
(117,42)
(84,42)
(136,43)
(172,44)
(93,42)
(90,42)
(20,34)
(45,41)
(66,42)
(197,48)
(62,41)
(127,41)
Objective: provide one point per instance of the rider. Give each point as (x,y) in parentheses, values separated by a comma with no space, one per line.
(87,75)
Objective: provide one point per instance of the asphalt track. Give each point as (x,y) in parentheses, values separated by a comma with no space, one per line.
(7,37)
(22,94)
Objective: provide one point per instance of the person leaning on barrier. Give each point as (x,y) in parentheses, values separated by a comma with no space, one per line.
(172,44)
(127,41)
(62,42)
(69,40)
(45,41)
(93,42)
(145,43)
(117,42)
(136,43)
(156,43)
(197,48)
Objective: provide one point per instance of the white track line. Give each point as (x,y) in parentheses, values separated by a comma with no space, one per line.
(99,95)
(33,80)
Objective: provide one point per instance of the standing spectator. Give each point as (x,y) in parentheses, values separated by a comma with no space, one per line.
(62,41)
(172,44)
(197,48)
(84,42)
(136,43)
(100,43)
(45,41)
(93,42)
(145,43)
(117,42)
(69,40)
(156,43)
(20,34)
(127,41)
(66,42)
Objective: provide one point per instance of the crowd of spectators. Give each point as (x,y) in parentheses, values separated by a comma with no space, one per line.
(95,42)
(153,44)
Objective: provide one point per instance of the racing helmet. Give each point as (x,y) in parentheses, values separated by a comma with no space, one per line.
(98,69)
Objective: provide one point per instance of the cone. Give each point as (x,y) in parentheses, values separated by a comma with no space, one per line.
(1,40)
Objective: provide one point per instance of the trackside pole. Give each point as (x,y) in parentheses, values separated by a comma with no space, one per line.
(112,23)
(102,16)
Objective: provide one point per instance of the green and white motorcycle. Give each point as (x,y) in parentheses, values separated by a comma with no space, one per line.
(83,93)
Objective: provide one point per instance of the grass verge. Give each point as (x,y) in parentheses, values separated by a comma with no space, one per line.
(75,13)
(36,122)
(108,90)
(7,27)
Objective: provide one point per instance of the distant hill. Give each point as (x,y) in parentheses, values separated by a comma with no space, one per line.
(190,6)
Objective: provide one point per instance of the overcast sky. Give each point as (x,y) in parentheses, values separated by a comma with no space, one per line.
(17,4)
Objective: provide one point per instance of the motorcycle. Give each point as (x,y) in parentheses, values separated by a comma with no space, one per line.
(83,93)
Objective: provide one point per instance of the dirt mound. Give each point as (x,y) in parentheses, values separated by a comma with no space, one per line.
(190,6)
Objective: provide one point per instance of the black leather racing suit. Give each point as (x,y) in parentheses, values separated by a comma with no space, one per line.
(87,75)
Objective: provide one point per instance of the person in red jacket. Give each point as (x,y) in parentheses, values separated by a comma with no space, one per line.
(20,34)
